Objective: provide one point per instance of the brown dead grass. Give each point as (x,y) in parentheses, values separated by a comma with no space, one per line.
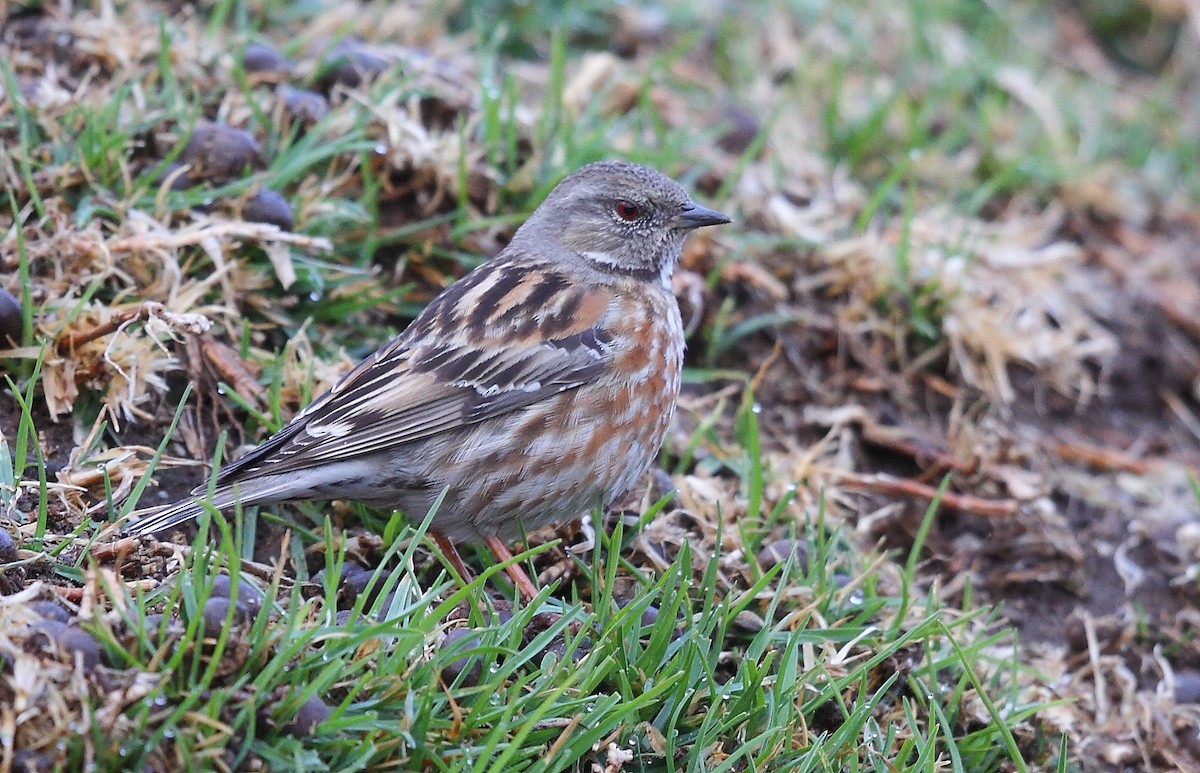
(1062,455)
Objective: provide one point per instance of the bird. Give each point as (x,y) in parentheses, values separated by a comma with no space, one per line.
(536,388)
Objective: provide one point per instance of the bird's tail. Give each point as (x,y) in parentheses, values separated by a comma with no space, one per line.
(155,519)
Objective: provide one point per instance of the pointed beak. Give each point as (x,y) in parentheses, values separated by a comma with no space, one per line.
(694,216)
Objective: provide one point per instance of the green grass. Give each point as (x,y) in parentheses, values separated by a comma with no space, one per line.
(718,680)
(845,662)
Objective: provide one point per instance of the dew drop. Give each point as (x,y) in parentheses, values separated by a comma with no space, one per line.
(314,296)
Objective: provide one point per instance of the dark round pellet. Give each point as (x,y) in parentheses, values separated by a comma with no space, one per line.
(76,640)
(1187,686)
(248,597)
(345,570)
(467,663)
(268,206)
(311,713)
(308,106)
(216,611)
(48,610)
(220,152)
(12,319)
(742,128)
(780,551)
(179,182)
(70,639)
(356,583)
(8,547)
(260,57)
(349,62)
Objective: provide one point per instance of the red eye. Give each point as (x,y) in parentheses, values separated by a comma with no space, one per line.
(627,210)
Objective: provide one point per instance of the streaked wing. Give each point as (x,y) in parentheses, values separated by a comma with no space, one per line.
(496,342)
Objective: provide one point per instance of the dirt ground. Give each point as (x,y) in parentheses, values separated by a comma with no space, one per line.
(1061,397)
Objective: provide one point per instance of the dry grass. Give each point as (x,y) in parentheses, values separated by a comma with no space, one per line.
(965,253)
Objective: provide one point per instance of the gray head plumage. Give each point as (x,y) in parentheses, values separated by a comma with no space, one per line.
(618,217)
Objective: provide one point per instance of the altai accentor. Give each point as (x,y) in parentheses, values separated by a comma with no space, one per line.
(537,387)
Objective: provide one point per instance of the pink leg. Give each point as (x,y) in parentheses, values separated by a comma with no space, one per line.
(451,554)
(524,585)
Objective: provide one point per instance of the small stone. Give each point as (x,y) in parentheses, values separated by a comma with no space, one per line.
(248,597)
(12,320)
(779,551)
(350,62)
(70,639)
(649,614)
(76,640)
(1075,633)
(8,548)
(742,129)
(356,584)
(466,663)
(216,611)
(345,570)
(179,182)
(27,761)
(260,57)
(308,106)
(558,647)
(268,206)
(220,152)
(48,610)
(1187,686)
(749,621)
(311,713)
(49,630)
(384,608)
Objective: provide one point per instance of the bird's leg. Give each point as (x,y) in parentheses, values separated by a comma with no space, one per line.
(524,585)
(451,554)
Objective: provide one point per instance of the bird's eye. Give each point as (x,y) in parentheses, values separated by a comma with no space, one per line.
(627,210)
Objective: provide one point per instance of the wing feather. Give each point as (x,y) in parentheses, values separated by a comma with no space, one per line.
(431,380)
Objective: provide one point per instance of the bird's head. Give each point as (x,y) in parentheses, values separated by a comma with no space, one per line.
(620,218)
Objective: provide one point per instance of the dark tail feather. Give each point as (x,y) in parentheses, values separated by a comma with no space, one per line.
(156,519)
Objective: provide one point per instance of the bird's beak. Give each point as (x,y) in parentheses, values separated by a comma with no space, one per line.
(695,216)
